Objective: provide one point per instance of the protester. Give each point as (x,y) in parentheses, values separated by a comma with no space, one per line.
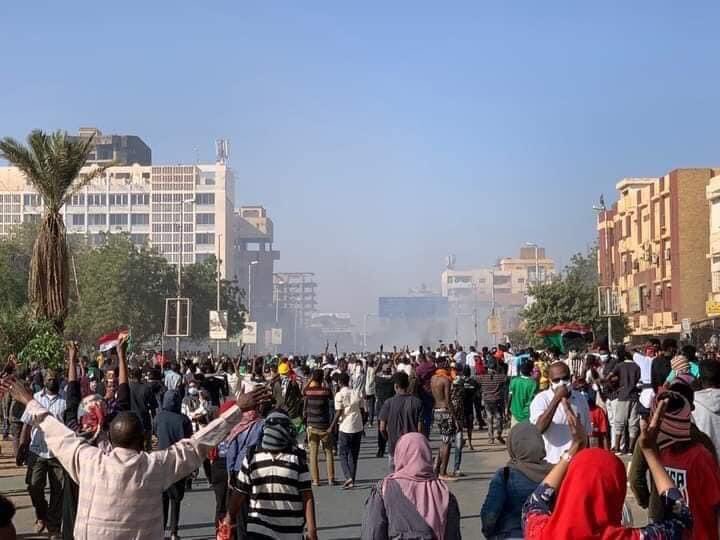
(411,502)
(707,402)
(424,373)
(384,390)
(493,387)
(42,462)
(400,415)
(501,512)
(370,371)
(441,385)
(583,495)
(626,417)
(662,364)
(140,476)
(457,405)
(599,426)
(471,390)
(550,417)
(521,393)
(317,419)
(143,403)
(275,479)
(349,418)
(173,379)
(287,395)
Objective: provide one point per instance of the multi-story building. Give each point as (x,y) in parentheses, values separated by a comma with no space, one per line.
(712,307)
(296,292)
(652,248)
(116,149)
(150,203)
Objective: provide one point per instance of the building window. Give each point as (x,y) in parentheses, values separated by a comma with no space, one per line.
(205,219)
(205,198)
(140,219)
(202,257)
(140,199)
(139,239)
(31,199)
(118,199)
(118,219)
(78,219)
(77,200)
(97,219)
(205,238)
(96,199)
(30,218)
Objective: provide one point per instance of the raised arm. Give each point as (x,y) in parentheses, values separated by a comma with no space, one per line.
(123,390)
(545,419)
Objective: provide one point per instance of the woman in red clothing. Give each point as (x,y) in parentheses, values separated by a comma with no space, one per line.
(583,495)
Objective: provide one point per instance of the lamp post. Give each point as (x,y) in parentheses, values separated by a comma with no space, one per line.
(179,275)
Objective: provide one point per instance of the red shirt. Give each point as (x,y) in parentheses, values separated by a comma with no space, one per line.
(697,476)
(599,422)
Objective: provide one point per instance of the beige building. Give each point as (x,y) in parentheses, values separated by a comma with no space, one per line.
(653,245)
(150,203)
(712,192)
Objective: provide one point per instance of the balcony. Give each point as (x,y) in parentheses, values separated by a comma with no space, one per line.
(715,243)
(715,281)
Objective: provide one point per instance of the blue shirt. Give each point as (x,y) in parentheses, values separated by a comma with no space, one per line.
(56,406)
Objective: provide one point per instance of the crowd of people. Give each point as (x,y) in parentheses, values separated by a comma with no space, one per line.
(120,438)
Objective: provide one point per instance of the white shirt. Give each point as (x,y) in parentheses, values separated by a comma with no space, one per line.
(349,400)
(370,381)
(645,365)
(557,436)
(407,368)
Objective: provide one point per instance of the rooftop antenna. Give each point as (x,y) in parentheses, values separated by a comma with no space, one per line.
(222,151)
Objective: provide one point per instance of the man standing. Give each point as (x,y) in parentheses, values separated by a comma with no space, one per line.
(492,386)
(42,463)
(384,388)
(172,426)
(142,403)
(550,417)
(662,364)
(707,402)
(424,373)
(627,373)
(400,414)
(348,407)
(440,385)
(522,391)
(288,395)
(173,379)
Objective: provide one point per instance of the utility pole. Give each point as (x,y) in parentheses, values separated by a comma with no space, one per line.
(219,238)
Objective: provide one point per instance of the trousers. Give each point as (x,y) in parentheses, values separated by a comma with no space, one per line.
(172,497)
(39,470)
(349,450)
(315,437)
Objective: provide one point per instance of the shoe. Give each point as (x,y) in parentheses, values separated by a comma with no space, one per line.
(331,483)
(316,484)
(348,484)
(491,441)
(40,526)
(174,536)
(379,455)
(54,536)
(501,440)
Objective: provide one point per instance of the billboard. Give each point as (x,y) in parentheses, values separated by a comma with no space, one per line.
(218,324)
(249,333)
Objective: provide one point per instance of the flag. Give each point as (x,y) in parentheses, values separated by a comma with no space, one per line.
(110,340)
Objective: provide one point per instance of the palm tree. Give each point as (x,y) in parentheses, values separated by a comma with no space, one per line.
(52,164)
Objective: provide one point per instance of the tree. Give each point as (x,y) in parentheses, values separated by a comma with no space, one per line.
(199,283)
(120,284)
(52,164)
(15,252)
(570,298)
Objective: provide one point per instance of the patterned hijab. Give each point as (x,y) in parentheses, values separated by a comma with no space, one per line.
(278,433)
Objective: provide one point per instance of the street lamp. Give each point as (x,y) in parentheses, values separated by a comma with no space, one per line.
(180,264)
(537,262)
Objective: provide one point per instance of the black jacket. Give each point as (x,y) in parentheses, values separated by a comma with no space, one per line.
(171,425)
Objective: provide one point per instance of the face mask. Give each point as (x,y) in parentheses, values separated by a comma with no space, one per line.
(53,387)
(564,382)
(192,391)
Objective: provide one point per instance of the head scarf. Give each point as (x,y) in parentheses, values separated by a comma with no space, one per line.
(527,452)
(415,475)
(246,420)
(675,424)
(278,433)
(94,414)
(590,499)
(680,364)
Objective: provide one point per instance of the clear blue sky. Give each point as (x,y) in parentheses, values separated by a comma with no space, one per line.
(383,136)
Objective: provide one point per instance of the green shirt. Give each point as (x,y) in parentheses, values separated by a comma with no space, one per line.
(523,391)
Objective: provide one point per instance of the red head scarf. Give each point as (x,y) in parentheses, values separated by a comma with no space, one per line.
(590,501)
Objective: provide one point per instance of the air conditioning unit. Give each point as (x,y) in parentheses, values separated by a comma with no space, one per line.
(667,254)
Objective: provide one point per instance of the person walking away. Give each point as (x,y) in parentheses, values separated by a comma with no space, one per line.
(457,404)
(441,384)
(551,418)
(274,478)
(384,390)
(399,415)
(120,493)
(172,379)
(42,463)
(501,513)
(142,403)
(171,427)
(583,495)
(492,385)
(688,460)
(370,371)
(317,419)
(349,418)
(469,392)
(707,402)
(411,502)
(521,393)
(424,373)
(628,375)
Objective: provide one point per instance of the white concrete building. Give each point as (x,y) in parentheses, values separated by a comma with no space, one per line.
(150,203)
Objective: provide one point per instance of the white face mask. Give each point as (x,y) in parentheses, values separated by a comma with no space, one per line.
(192,391)
(564,382)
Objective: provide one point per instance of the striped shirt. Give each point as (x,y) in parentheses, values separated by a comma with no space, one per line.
(55,406)
(274,484)
(317,407)
(492,386)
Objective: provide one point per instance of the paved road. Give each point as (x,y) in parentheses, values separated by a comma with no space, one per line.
(339,512)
